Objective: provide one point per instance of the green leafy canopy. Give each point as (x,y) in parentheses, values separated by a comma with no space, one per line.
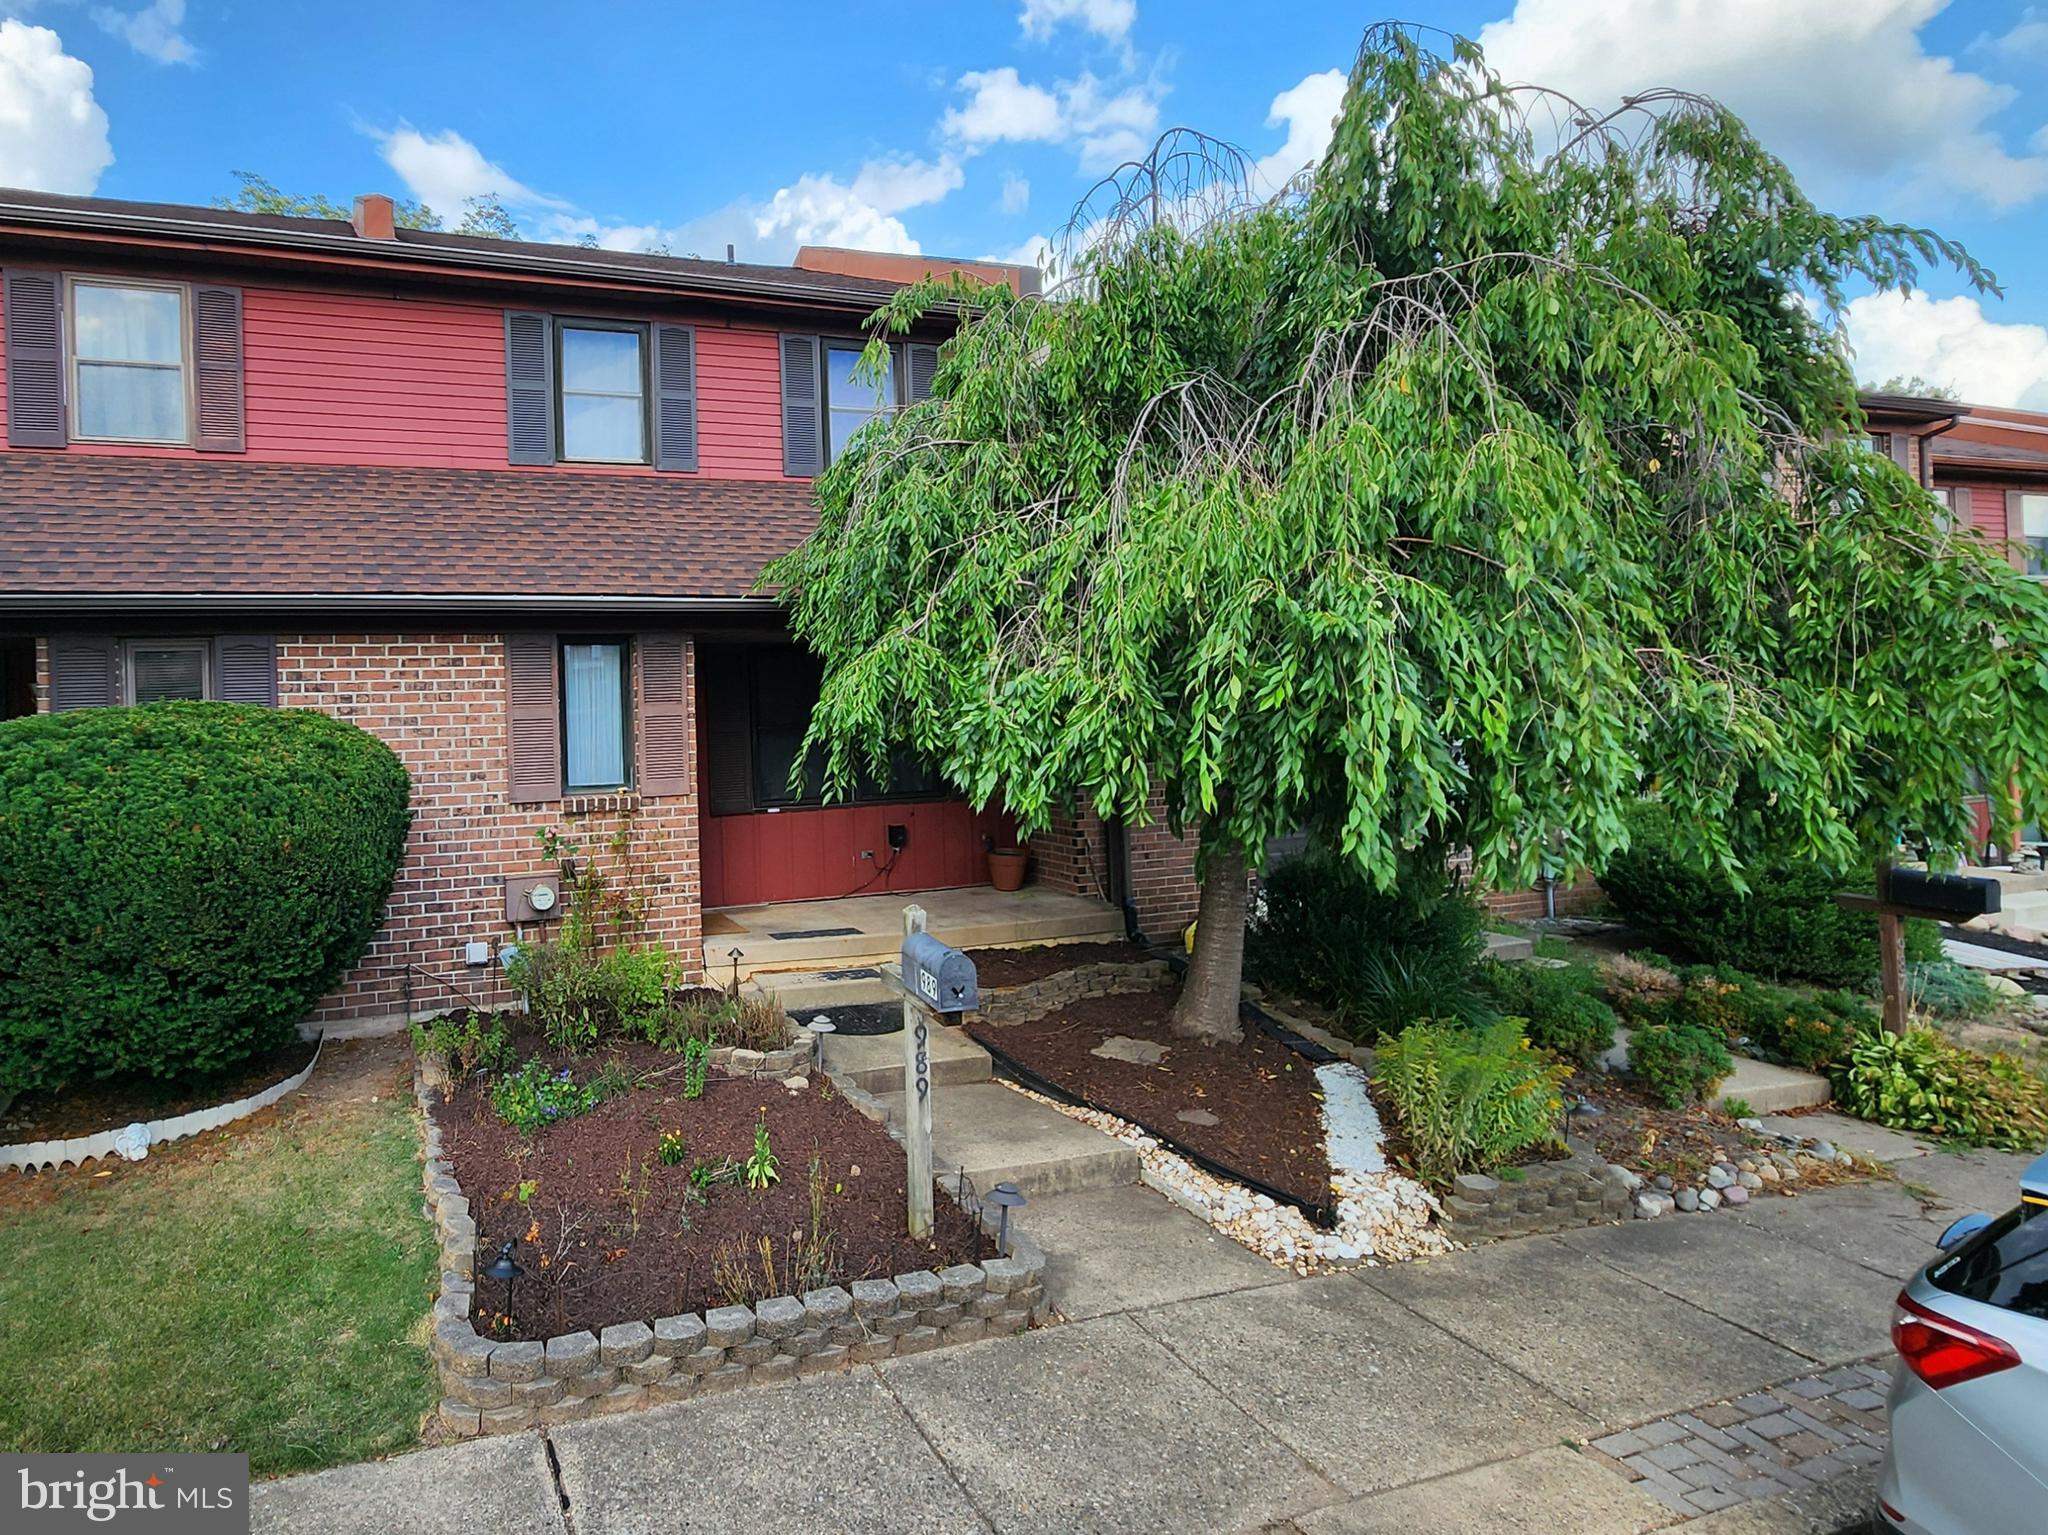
(1503,472)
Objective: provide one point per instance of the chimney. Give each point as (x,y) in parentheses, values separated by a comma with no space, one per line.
(375,217)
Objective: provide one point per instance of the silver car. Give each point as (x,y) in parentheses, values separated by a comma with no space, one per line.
(1969,1403)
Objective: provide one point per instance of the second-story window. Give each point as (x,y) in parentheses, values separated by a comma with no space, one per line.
(603,369)
(128,362)
(851,402)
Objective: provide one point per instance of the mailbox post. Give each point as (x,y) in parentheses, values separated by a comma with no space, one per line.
(1903,893)
(935,980)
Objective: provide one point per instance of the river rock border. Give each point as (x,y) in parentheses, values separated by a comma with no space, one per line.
(1034,999)
(492,1387)
(1581,1189)
(31,1156)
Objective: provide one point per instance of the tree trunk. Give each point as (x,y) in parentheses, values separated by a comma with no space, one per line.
(1207,1008)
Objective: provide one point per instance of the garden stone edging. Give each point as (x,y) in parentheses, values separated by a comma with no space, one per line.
(1034,999)
(491,1387)
(1581,1189)
(32,1156)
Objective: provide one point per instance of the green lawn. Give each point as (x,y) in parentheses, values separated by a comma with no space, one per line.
(262,1290)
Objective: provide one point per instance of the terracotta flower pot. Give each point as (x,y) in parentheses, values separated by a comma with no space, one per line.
(1006,867)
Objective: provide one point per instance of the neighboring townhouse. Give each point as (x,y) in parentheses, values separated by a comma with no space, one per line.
(1988,467)
(503,505)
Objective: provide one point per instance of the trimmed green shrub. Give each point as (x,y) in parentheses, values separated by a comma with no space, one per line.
(1679,1063)
(1469,1098)
(184,881)
(1562,1006)
(1378,959)
(1948,990)
(1920,1081)
(1787,927)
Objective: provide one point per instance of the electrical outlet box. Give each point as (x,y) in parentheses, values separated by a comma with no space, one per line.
(898,837)
(476,953)
(866,855)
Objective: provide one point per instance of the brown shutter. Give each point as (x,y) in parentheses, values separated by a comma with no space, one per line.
(245,669)
(35,359)
(529,388)
(664,664)
(675,397)
(217,355)
(534,710)
(85,671)
(803,431)
(921,366)
(723,699)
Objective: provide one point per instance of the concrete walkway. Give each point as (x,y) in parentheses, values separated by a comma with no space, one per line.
(1194,1388)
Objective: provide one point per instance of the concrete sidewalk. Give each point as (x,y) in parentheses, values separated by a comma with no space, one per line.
(1218,1393)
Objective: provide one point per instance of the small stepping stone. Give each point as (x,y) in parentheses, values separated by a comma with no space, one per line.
(1195,1117)
(1139,1052)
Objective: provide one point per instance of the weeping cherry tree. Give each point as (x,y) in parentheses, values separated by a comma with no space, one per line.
(1505,470)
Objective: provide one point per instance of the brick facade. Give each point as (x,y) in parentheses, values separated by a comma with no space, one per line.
(1581,895)
(438,701)
(1073,855)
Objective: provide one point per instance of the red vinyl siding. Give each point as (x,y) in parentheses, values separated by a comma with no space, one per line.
(802,855)
(1987,509)
(375,379)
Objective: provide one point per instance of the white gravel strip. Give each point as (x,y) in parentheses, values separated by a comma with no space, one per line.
(1382,1217)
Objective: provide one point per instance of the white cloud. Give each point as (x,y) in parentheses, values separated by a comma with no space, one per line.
(1844,93)
(156,31)
(445,171)
(2028,39)
(1016,193)
(53,135)
(1105,126)
(1110,19)
(821,210)
(1308,111)
(1949,341)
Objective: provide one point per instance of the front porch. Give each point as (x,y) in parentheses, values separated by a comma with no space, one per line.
(858,932)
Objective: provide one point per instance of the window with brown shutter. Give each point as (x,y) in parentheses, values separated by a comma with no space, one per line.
(217,370)
(664,661)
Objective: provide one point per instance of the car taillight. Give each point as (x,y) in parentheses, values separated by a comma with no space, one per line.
(1942,1351)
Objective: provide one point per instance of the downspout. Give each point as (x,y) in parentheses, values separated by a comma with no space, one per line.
(1118,850)
(1926,458)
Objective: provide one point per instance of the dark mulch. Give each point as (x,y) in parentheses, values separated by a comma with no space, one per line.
(1017,967)
(608,1234)
(1269,1123)
(90,1107)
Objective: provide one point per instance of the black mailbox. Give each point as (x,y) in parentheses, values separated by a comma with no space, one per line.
(1950,895)
(940,977)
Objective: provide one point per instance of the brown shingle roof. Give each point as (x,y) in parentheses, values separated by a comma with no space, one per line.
(81,525)
(1991,455)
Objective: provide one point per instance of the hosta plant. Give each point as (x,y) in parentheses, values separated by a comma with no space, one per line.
(1923,1082)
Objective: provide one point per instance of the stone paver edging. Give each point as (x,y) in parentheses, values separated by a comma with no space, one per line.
(1034,999)
(1581,1189)
(80,1149)
(494,1387)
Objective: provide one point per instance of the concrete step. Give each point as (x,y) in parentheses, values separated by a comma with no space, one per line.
(1771,1089)
(1000,1136)
(874,1062)
(1508,947)
(801,993)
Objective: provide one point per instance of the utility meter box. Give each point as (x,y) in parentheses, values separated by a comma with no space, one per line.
(1949,895)
(535,898)
(940,977)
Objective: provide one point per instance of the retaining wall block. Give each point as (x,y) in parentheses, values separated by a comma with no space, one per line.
(625,1343)
(677,1336)
(726,1325)
(573,1353)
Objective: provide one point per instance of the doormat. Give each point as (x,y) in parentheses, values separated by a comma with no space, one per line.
(857,1017)
(818,932)
(717,922)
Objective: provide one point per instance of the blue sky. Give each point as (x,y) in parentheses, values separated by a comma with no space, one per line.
(970,128)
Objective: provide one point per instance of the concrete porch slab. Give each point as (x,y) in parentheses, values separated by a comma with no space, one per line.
(977,916)
(874,1062)
(1000,1136)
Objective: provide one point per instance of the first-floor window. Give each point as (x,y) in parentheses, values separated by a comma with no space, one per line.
(2033,532)
(595,719)
(1944,508)
(160,671)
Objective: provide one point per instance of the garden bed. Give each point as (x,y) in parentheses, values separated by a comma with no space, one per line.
(608,1232)
(1253,1107)
(85,1108)
(999,968)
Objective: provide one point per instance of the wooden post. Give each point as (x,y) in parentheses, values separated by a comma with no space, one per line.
(917,1095)
(1891,952)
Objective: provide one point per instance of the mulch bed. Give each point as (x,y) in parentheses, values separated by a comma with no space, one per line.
(1269,1123)
(1648,1138)
(90,1107)
(608,1234)
(1019,967)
